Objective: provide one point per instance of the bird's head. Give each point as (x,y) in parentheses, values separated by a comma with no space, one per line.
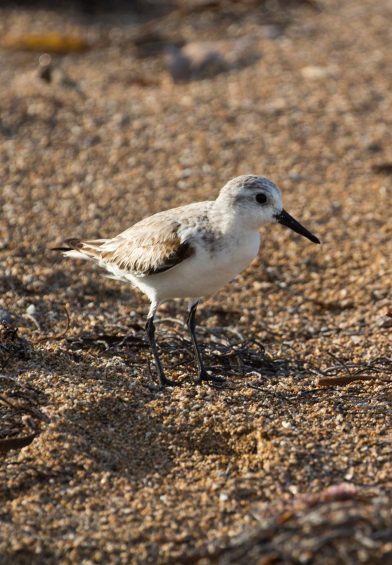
(257,201)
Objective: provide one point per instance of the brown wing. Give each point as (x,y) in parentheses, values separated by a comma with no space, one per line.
(149,247)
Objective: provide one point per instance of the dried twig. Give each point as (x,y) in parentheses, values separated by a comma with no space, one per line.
(354,372)
(343,380)
(16,442)
(23,408)
(340,361)
(59,336)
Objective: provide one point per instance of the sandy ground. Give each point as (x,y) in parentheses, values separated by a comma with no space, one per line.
(290,462)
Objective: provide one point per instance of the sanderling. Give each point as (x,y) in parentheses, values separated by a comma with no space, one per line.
(190,251)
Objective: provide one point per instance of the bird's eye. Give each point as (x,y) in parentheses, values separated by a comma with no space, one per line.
(261,198)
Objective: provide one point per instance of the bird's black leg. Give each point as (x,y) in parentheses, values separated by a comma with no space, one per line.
(150,331)
(203,374)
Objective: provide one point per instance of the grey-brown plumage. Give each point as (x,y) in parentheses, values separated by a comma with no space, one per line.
(151,246)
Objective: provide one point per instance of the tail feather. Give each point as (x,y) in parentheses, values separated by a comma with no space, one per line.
(81,249)
(91,250)
(69,245)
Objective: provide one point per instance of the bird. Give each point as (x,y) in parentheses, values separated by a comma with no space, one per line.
(190,251)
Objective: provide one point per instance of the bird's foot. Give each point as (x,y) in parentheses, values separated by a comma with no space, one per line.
(163,384)
(168,382)
(206,377)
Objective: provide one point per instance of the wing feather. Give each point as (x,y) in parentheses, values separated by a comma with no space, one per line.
(149,247)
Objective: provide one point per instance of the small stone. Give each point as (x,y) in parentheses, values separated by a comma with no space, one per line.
(5,316)
(272,31)
(314,72)
(195,60)
(31,310)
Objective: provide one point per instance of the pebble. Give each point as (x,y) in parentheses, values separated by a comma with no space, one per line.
(5,316)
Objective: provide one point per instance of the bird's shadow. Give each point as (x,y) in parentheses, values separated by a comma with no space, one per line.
(113,424)
(120,429)
(131,431)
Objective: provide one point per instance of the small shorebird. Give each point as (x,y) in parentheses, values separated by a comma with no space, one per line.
(190,251)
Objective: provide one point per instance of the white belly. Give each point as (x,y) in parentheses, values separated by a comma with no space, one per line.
(203,273)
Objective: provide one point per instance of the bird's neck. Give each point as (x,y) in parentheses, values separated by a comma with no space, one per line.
(228,221)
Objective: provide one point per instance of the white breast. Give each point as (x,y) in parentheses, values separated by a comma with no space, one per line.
(205,272)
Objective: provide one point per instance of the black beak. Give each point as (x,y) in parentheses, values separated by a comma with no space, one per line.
(285,219)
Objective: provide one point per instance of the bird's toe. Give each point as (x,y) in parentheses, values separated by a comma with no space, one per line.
(168,382)
(206,377)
